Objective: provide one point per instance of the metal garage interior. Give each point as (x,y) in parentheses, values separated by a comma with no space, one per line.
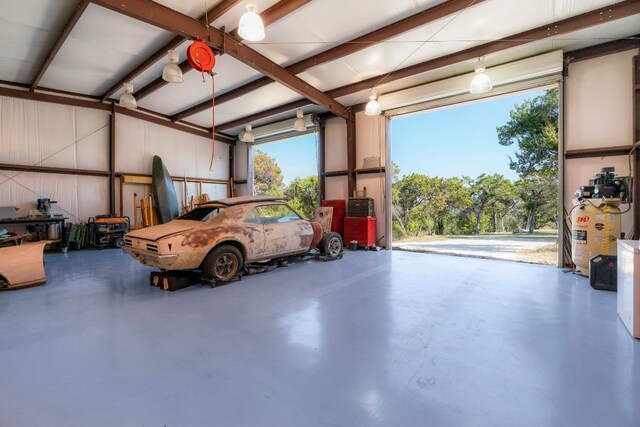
(377,338)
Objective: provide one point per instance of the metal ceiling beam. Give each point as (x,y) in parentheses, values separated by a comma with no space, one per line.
(599,50)
(262,114)
(272,14)
(170,20)
(212,14)
(355,45)
(82,6)
(579,22)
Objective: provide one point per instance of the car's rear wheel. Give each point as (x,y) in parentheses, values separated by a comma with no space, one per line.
(331,245)
(223,263)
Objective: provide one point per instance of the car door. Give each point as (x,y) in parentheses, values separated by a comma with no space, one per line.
(282,229)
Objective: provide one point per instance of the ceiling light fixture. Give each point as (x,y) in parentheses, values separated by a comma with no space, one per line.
(127,100)
(248,135)
(299,125)
(481,82)
(251,27)
(373,106)
(171,71)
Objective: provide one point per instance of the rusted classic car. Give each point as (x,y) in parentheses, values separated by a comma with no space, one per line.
(221,236)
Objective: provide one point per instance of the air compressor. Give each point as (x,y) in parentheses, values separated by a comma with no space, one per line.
(595,218)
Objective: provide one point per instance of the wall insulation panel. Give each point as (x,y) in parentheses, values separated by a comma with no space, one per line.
(371,141)
(335,145)
(599,102)
(598,114)
(78,197)
(44,134)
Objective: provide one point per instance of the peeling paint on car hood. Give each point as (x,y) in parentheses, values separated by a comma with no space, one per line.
(164,230)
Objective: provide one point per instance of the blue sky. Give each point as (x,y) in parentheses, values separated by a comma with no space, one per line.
(297,157)
(455,141)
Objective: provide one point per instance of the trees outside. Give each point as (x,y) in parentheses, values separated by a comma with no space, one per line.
(303,193)
(533,126)
(489,203)
(267,175)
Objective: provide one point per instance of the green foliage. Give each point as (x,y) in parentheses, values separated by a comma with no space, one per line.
(304,194)
(489,203)
(493,196)
(539,193)
(533,125)
(267,175)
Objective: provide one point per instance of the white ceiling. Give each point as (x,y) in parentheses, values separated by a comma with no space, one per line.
(104,46)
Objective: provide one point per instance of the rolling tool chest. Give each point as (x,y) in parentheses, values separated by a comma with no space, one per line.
(362,230)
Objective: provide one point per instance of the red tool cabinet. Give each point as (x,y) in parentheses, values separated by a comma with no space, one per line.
(361,229)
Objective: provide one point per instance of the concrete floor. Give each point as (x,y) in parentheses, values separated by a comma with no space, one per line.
(376,339)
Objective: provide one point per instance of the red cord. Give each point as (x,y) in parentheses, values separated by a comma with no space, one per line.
(213,123)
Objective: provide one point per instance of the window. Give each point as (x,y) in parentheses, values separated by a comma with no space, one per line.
(272,214)
(204,213)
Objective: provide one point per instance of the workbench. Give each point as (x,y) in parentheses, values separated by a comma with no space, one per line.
(36,221)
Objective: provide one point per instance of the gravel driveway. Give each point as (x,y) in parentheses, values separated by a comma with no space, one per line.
(507,248)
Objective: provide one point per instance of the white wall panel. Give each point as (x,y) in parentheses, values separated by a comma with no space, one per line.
(183,154)
(336,188)
(599,104)
(43,134)
(240,159)
(598,114)
(78,197)
(335,145)
(371,140)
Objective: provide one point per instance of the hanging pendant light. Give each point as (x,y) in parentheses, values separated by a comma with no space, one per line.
(481,82)
(127,100)
(299,125)
(373,106)
(251,27)
(248,135)
(172,72)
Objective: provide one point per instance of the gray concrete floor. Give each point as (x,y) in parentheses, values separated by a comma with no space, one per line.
(376,339)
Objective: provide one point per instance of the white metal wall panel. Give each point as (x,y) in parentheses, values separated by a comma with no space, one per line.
(598,113)
(183,154)
(599,102)
(78,197)
(336,188)
(43,134)
(240,158)
(371,140)
(335,145)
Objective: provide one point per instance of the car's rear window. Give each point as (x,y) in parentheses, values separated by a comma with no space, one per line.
(203,213)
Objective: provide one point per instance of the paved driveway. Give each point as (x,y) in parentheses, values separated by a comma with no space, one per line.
(495,247)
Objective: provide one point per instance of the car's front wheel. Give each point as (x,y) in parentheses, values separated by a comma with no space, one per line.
(223,263)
